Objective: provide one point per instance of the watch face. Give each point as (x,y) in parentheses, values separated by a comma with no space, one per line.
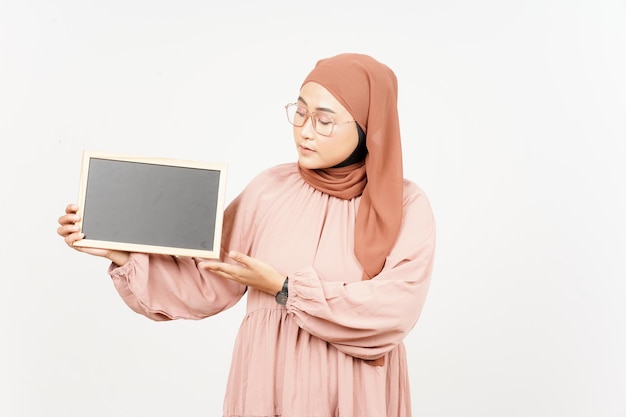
(281,298)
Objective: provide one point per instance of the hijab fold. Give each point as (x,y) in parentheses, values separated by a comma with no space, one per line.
(368,89)
(346,182)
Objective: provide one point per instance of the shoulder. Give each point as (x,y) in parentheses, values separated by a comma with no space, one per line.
(268,183)
(412,191)
(415,198)
(275,175)
(266,189)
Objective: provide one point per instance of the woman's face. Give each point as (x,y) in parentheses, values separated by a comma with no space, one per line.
(316,151)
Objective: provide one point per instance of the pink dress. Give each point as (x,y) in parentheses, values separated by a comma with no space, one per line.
(305,359)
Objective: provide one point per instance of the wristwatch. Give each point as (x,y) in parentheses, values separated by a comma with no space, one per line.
(283,294)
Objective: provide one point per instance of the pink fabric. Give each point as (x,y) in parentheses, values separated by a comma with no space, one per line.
(304,359)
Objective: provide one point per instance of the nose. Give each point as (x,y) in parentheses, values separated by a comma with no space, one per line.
(307,130)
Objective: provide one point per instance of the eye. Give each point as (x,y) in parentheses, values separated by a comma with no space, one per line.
(301,111)
(324,120)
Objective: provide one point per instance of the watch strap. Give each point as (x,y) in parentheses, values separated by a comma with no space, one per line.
(283,294)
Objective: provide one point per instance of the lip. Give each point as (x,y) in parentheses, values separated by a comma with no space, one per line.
(305,149)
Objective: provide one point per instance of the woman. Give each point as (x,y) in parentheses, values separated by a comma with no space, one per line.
(335,252)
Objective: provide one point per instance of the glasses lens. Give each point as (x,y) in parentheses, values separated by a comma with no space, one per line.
(323,124)
(296,115)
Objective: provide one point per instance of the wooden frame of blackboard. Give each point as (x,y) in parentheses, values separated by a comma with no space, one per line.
(151,205)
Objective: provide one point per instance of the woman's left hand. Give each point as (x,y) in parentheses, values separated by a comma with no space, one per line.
(250,272)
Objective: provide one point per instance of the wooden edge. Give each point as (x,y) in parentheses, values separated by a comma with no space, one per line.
(130,247)
(133,247)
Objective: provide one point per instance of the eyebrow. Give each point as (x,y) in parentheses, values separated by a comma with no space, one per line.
(324,109)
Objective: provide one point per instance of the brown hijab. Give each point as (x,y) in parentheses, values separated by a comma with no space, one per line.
(368,89)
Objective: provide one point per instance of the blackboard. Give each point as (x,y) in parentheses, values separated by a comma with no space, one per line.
(151,205)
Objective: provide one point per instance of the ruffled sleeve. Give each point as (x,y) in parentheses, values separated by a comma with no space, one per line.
(164,287)
(368,318)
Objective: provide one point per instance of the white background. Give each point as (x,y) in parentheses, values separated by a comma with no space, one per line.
(513,122)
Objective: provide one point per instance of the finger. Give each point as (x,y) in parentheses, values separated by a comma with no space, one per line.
(227,271)
(221,267)
(73,237)
(226,276)
(67,229)
(71,208)
(69,219)
(241,258)
(70,215)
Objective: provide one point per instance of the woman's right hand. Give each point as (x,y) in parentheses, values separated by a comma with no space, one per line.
(70,232)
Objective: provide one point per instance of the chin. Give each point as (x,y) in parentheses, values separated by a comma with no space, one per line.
(310,165)
(304,163)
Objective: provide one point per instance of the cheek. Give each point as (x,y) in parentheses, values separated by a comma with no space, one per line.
(336,153)
(354,143)
(349,144)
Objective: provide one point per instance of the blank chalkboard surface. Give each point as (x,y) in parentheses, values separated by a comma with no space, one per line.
(151,205)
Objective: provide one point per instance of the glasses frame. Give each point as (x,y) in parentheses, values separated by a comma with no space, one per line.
(311,115)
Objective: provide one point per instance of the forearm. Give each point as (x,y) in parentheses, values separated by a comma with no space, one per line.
(172,287)
(119,258)
(365,319)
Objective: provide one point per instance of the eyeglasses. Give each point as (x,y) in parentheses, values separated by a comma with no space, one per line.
(322,122)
